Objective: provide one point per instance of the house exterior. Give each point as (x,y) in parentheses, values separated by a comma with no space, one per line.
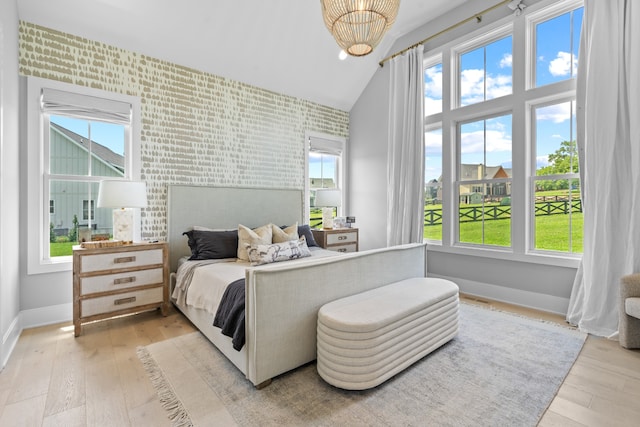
(473,193)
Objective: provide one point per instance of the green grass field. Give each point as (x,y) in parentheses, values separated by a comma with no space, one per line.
(552,232)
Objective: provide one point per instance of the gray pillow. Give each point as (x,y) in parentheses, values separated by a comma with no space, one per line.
(305,230)
(212,244)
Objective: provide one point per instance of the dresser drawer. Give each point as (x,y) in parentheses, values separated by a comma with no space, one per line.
(119,281)
(340,238)
(123,301)
(351,247)
(111,261)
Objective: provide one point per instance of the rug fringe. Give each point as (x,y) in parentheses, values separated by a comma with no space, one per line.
(168,399)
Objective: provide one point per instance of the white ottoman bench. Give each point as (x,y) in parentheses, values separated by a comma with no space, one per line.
(367,338)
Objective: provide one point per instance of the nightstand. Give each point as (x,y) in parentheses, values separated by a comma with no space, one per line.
(337,239)
(113,281)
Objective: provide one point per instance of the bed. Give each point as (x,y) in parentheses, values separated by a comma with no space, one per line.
(282,299)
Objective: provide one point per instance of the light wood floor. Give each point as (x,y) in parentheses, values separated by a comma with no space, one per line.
(54,379)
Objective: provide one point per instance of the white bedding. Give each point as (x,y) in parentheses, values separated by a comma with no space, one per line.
(204,287)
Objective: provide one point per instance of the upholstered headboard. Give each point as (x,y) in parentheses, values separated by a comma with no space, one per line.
(225,208)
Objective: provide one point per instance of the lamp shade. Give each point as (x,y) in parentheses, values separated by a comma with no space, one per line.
(328,197)
(359,25)
(122,194)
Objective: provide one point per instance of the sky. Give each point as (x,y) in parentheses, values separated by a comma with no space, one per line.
(486,73)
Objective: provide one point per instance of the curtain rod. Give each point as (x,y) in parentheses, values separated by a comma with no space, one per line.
(477,17)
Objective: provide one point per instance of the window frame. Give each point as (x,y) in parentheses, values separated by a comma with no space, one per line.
(519,104)
(337,146)
(37,143)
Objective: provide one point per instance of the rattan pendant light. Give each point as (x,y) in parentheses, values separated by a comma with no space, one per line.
(359,25)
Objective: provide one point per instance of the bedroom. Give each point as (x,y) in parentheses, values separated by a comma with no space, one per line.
(38,299)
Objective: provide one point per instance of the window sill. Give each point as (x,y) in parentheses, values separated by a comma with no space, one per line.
(50,266)
(543,258)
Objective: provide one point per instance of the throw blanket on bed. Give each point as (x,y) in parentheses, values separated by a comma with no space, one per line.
(230,314)
(183,278)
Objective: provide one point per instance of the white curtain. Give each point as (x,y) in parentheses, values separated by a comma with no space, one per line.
(608,138)
(405,164)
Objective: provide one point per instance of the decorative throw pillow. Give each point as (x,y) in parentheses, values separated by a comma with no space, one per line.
(282,234)
(283,251)
(212,244)
(305,230)
(259,236)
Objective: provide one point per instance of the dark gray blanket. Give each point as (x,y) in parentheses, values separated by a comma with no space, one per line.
(230,314)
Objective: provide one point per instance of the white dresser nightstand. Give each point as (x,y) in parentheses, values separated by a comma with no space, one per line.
(337,239)
(119,280)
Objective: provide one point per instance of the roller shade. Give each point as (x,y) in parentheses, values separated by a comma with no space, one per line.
(55,101)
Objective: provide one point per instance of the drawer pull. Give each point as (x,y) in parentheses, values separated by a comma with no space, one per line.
(122,280)
(124,300)
(342,237)
(342,250)
(124,259)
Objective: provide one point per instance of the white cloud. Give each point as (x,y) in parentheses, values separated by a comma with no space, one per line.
(557,113)
(497,141)
(506,60)
(561,65)
(432,106)
(433,82)
(433,143)
(472,86)
(542,161)
(432,91)
(555,135)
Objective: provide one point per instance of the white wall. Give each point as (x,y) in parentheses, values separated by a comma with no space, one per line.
(9,174)
(368,162)
(526,283)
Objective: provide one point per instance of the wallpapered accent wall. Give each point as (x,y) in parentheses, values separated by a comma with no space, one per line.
(197,128)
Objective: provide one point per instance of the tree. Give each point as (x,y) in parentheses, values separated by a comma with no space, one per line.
(564,160)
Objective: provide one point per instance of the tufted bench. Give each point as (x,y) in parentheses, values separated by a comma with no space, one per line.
(367,338)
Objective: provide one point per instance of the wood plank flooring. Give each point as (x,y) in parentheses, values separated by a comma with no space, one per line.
(54,379)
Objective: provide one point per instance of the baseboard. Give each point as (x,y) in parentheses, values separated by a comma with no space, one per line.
(46,315)
(31,319)
(549,303)
(9,340)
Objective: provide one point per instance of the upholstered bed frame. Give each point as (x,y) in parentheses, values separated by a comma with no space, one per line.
(282,299)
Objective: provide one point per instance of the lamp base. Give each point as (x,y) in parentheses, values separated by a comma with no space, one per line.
(327,218)
(123,225)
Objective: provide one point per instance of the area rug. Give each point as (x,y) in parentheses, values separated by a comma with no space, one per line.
(501,370)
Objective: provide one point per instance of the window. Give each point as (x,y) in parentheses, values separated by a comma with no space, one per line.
(557,42)
(325,169)
(557,205)
(81,136)
(88,213)
(433,184)
(484,181)
(501,170)
(485,72)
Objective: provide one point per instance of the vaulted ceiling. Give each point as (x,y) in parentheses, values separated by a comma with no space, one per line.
(278,45)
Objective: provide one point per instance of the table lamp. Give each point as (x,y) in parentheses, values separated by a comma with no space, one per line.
(122,196)
(327,199)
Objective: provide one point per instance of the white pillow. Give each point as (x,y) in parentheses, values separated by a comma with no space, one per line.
(280,235)
(283,251)
(259,236)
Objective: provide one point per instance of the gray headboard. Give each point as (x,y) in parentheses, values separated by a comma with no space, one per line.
(225,208)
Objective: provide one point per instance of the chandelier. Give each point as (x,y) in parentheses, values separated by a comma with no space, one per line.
(359,25)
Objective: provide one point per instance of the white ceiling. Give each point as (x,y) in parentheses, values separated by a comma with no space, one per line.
(278,45)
